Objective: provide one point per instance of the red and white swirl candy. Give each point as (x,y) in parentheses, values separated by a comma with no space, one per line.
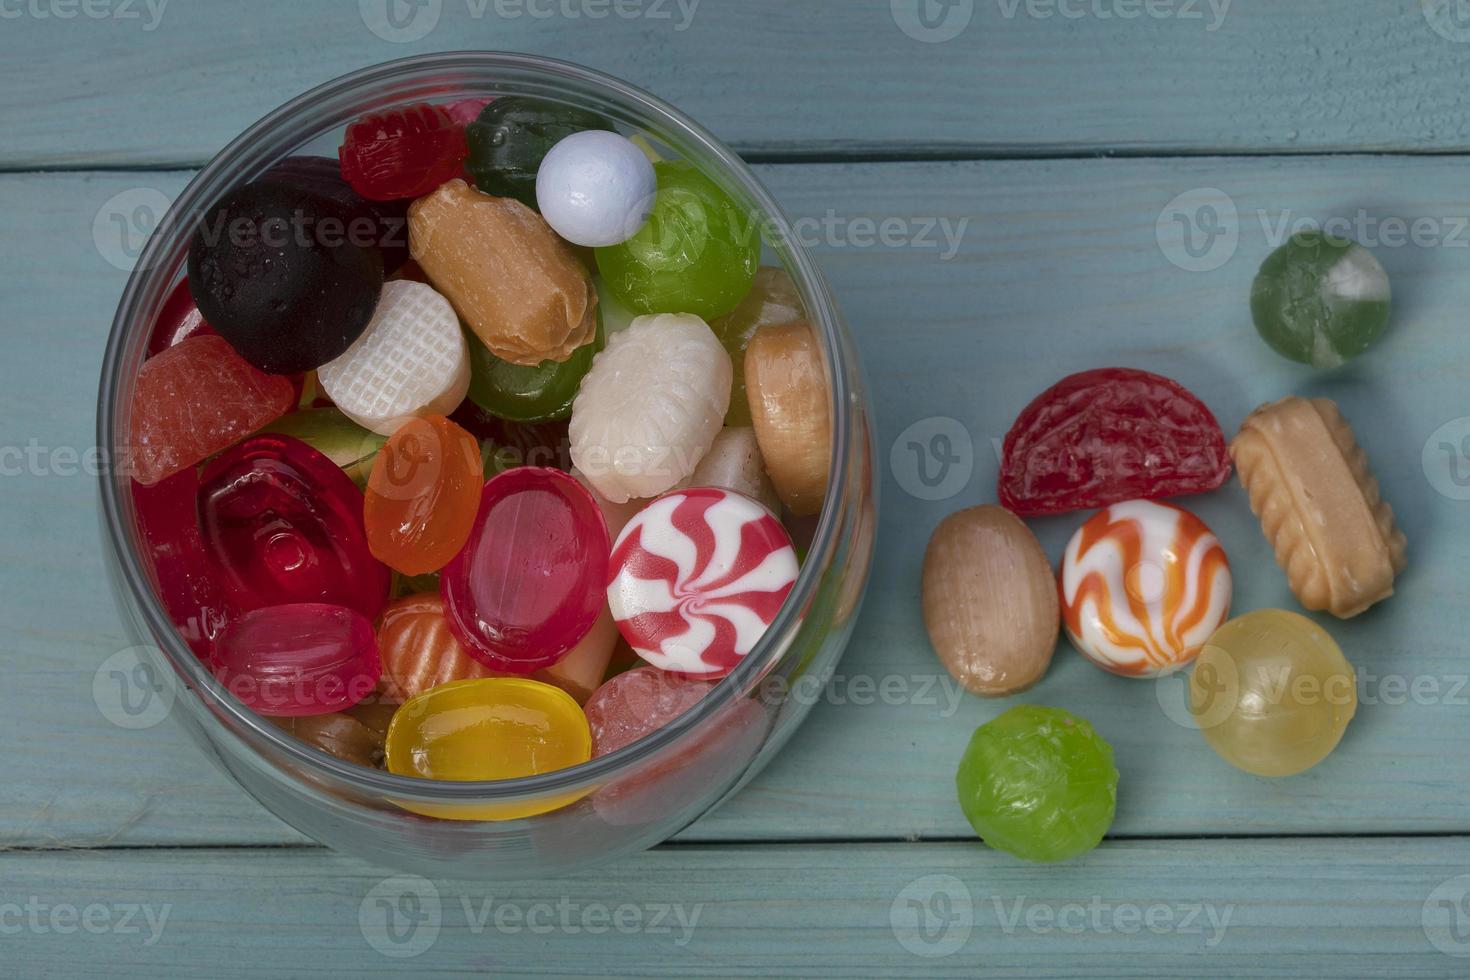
(696,578)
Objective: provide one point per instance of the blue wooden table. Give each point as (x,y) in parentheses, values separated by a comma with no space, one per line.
(1001,191)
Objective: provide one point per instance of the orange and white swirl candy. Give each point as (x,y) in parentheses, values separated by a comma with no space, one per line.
(1143,586)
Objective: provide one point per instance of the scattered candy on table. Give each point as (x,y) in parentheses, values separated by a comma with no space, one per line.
(1038,783)
(650,407)
(990,601)
(283,524)
(1105,436)
(412,360)
(1320,299)
(595,188)
(1143,585)
(696,579)
(1319,505)
(270,279)
(518,287)
(790,407)
(697,252)
(1272,693)
(194,399)
(304,658)
(527,585)
(422,495)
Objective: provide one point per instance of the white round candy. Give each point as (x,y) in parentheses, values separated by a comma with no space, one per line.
(650,406)
(411,360)
(595,188)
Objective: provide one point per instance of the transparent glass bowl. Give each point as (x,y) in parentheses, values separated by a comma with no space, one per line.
(629,799)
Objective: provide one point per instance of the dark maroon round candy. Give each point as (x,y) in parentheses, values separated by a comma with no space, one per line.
(274,271)
(386,224)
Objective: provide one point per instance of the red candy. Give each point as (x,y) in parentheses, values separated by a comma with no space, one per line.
(306,658)
(527,586)
(193,400)
(283,524)
(405,152)
(697,577)
(637,703)
(1105,436)
(169,526)
(179,320)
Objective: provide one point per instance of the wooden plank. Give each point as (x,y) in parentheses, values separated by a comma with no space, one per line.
(1058,269)
(1022,76)
(1329,908)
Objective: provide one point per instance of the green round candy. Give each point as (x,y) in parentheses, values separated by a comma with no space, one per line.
(336,437)
(1038,783)
(697,252)
(524,393)
(1320,300)
(512,136)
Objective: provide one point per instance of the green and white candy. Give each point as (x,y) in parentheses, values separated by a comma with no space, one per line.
(1320,299)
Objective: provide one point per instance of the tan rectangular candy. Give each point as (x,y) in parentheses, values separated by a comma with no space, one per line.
(520,288)
(1319,505)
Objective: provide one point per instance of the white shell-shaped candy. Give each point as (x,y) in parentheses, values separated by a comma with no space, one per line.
(411,360)
(650,407)
(595,188)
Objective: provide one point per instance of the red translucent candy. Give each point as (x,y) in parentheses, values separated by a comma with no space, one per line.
(528,584)
(405,152)
(172,546)
(305,658)
(179,320)
(637,703)
(193,400)
(1105,436)
(283,524)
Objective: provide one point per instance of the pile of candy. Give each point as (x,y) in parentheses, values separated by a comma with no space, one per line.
(419,506)
(1144,587)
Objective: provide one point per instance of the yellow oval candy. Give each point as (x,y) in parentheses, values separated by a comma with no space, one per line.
(483,729)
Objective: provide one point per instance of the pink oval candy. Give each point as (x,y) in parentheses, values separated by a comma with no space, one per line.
(697,577)
(527,586)
(306,658)
(636,703)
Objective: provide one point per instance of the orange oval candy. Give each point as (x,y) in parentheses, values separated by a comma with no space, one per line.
(418,651)
(422,495)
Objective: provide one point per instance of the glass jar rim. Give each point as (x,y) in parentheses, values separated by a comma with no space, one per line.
(209,184)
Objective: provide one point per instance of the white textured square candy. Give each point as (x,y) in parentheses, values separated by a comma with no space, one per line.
(411,360)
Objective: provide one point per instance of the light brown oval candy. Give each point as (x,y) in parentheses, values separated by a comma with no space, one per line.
(338,734)
(990,601)
(520,288)
(1319,506)
(786,383)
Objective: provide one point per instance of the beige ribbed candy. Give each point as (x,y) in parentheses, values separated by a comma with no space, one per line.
(786,383)
(1318,502)
(411,360)
(518,287)
(650,406)
(734,463)
(990,601)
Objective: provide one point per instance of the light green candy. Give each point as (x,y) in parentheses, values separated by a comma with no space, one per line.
(1320,300)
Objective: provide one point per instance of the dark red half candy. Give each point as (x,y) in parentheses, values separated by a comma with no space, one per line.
(1104,436)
